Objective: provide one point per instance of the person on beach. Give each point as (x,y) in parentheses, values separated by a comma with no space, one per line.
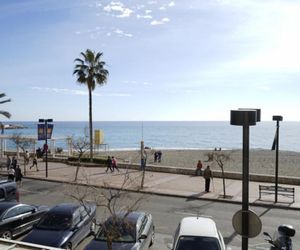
(34,162)
(18,175)
(207,175)
(199,168)
(8,162)
(109,164)
(114,164)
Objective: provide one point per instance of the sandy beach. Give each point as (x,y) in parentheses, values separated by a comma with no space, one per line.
(261,161)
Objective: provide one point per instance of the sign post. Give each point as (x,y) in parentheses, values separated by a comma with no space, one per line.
(45,133)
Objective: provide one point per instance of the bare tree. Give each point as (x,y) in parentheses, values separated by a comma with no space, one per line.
(80,145)
(220,158)
(24,144)
(112,200)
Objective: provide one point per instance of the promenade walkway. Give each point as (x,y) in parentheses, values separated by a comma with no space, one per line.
(190,187)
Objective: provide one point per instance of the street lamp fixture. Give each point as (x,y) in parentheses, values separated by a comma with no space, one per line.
(45,137)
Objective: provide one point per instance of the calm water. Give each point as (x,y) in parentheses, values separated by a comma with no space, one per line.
(176,135)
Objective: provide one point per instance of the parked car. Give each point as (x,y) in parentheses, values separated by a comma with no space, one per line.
(8,191)
(197,233)
(128,231)
(16,218)
(64,226)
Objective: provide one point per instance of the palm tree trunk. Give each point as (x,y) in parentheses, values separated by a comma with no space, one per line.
(91,124)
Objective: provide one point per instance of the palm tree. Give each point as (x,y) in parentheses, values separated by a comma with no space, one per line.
(5,113)
(90,71)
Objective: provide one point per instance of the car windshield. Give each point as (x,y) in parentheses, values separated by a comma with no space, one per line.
(196,242)
(117,231)
(55,221)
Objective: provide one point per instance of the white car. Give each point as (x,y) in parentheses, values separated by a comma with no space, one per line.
(197,233)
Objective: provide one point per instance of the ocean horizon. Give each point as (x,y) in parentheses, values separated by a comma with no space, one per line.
(127,135)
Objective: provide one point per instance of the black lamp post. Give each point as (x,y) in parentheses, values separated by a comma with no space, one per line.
(245,118)
(276,118)
(46,137)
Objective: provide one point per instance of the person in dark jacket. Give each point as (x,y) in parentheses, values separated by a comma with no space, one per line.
(18,176)
(109,164)
(207,175)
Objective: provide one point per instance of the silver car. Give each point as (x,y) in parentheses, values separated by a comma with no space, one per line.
(134,231)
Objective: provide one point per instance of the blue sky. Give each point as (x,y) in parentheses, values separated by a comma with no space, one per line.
(168,60)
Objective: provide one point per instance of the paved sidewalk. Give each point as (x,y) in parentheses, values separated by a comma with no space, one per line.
(189,187)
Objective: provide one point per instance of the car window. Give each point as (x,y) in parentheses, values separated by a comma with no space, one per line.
(84,212)
(196,242)
(25,209)
(76,218)
(2,194)
(55,221)
(15,211)
(143,224)
(118,231)
(176,233)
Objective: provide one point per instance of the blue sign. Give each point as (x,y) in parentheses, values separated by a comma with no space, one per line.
(42,133)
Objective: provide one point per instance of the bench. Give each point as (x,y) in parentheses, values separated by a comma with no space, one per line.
(285,191)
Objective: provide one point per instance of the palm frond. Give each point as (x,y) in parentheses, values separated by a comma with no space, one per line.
(5,113)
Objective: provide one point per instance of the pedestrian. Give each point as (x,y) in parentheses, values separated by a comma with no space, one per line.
(207,175)
(199,168)
(18,175)
(45,148)
(26,157)
(14,162)
(11,174)
(114,164)
(34,162)
(159,154)
(155,156)
(109,164)
(8,162)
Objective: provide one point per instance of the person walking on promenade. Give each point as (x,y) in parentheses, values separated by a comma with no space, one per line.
(207,175)
(114,164)
(18,175)
(159,154)
(8,162)
(199,168)
(109,164)
(26,157)
(34,162)
(14,162)
(11,174)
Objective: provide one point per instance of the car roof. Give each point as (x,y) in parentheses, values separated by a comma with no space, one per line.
(66,208)
(132,217)
(198,226)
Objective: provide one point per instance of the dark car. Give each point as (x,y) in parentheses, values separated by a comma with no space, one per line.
(16,218)
(8,191)
(64,226)
(133,231)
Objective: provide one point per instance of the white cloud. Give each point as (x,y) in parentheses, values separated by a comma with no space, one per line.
(171,4)
(122,33)
(76,92)
(144,16)
(160,22)
(148,11)
(119,8)
(152,2)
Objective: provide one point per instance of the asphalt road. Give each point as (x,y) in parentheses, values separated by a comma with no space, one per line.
(167,212)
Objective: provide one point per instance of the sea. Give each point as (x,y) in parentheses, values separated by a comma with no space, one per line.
(123,135)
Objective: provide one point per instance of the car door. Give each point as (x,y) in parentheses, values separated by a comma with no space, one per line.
(13,220)
(29,216)
(86,219)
